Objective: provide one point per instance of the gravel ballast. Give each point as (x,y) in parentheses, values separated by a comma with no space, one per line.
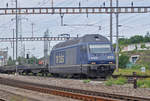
(79,84)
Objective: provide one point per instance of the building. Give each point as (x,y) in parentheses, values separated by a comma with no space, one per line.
(140,46)
(3,58)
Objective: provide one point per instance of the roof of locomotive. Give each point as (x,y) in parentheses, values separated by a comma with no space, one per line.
(85,38)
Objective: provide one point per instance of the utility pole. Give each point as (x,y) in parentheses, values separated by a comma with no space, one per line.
(13,45)
(62,16)
(111,27)
(46,34)
(32,24)
(19,21)
(52,3)
(16,30)
(117,34)
(20,32)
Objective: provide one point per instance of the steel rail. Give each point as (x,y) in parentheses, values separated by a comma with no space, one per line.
(131,76)
(20,84)
(74,10)
(2,99)
(73,95)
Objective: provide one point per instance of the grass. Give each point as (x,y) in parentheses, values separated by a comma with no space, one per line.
(87,81)
(141,83)
(118,81)
(31,74)
(24,73)
(49,75)
(145,83)
(130,72)
(39,74)
(17,98)
(109,82)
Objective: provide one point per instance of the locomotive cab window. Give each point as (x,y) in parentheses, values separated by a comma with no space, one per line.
(100,48)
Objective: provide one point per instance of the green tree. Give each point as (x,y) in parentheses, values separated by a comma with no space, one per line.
(143,45)
(147,34)
(123,60)
(33,60)
(10,61)
(136,39)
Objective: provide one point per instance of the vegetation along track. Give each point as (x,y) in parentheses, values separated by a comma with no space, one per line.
(70,92)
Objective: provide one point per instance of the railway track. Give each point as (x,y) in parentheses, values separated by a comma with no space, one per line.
(131,76)
(70,92)
(2,99)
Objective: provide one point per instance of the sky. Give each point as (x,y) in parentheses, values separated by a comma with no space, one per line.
(132,24)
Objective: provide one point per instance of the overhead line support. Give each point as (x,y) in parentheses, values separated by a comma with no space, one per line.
(75,10)
(111,28)
(16,29)
(117,38)
(36,39)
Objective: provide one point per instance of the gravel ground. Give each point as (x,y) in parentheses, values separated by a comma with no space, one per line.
(17,94)
(8,96)
(93,85)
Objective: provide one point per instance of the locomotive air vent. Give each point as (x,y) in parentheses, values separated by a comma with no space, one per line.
(96,38)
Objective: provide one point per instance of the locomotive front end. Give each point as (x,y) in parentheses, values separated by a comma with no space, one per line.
(101,59)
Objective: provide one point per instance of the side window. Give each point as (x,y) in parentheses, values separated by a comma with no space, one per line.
(60,57)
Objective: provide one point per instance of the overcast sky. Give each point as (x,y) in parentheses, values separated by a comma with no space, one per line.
(132,24)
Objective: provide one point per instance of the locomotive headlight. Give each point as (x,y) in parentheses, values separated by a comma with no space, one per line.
(110,57)
(93,63)
(110,62)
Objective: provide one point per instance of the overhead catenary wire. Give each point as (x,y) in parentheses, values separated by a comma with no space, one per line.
(103,22)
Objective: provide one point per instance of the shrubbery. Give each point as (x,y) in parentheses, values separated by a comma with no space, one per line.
(130,72)
(118,81)
(109,82)
(123,60)
(144,83)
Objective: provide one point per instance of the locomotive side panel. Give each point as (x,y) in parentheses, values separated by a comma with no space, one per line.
(71,55)
(64,61)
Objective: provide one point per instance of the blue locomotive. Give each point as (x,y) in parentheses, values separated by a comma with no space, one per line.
(91,55)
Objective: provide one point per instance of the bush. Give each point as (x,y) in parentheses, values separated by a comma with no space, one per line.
(130,72)
(123,60)
(120,81)
(143,45)
(135,66)
(144,83)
